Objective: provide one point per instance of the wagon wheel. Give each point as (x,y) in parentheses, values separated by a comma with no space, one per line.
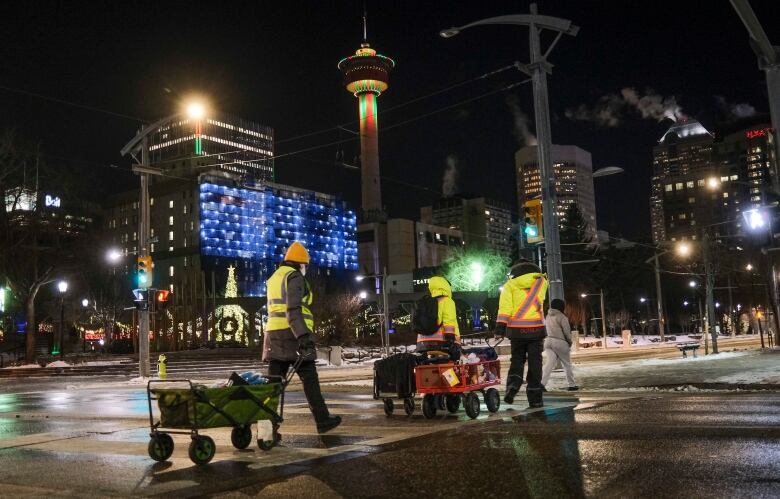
(453,403)
(202,449)
(388,403)
(160,447)
(409,406)
(429,406)
(441,403)
(471,404)
(241,436)
(492,400)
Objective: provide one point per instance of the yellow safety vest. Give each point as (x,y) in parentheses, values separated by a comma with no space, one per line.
(449,323)
(277,301)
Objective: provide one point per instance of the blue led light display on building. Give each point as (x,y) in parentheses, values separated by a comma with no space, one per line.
(258,224)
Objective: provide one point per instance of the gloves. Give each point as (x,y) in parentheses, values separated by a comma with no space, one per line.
(306,348)
(499,331)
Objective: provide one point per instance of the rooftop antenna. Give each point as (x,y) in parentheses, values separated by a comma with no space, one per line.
(365,31)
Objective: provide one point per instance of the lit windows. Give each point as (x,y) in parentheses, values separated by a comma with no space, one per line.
(170,203)
(689,184)
(669,187)
(678,186)
(151,201)
(170,236)
(170,220)
(170,271)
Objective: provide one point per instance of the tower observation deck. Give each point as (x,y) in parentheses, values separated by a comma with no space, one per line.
(366,75)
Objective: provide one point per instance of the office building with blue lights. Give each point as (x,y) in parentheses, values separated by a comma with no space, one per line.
(201,227)
(253,226)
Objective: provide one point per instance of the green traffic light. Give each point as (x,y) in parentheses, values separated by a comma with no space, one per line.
(531,231)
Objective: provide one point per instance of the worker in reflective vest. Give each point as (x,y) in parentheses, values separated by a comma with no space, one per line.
(447,338)
(521,319)
(290,330)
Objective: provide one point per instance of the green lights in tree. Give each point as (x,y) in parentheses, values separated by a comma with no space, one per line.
(476,270)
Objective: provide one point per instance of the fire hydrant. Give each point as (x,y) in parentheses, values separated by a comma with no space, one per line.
(162,367)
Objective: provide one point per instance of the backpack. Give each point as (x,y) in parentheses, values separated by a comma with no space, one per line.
(425,317)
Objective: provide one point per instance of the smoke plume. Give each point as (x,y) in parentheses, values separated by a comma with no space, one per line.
(449,182)
(612,109)
(735,110)
(521,129)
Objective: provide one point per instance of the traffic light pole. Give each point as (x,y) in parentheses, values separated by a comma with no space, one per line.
(144,369)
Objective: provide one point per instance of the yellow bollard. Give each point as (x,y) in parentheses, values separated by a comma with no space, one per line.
(162,367)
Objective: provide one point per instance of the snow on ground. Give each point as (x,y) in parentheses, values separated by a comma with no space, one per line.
(24,366)
(58,363)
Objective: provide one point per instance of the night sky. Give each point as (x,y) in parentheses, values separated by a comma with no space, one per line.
(275,63)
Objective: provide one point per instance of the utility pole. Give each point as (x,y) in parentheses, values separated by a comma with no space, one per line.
(144,369)
(709,283)
(386,313)
(538,69)
(659,299)
(603,319)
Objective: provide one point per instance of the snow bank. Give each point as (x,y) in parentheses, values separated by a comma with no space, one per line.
(58,363)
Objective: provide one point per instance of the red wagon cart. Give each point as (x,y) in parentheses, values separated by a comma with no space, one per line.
(458,383)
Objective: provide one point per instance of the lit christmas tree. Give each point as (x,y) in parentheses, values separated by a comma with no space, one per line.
(231,318)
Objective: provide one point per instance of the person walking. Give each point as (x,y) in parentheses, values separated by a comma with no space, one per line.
(447,337)
(521,319)
(290,331)
(557,346)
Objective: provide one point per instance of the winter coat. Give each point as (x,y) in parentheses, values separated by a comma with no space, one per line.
(448,314)
(558,326)
(515,321)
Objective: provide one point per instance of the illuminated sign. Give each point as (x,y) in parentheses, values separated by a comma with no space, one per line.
(90,335)
(752,134)
(52,201)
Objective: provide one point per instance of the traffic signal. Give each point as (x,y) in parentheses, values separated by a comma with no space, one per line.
(144,271)
(161,299)
(532,221)
(141,299)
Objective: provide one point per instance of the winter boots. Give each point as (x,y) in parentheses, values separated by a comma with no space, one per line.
(328,424)
(534,397)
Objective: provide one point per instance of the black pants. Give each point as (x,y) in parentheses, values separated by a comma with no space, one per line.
(532,349)
(307,372)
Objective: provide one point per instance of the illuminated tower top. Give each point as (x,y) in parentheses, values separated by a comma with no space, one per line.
(366,71)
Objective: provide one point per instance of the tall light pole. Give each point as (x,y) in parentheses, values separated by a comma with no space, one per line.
(769,61)
(538,68)
(62,287)
(600,294)
(140,145)
(384,329)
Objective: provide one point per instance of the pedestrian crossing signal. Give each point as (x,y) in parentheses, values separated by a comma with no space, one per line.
(162,298)
(532,221)
(141,299)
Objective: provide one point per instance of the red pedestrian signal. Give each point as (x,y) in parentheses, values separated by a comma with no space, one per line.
(162,297)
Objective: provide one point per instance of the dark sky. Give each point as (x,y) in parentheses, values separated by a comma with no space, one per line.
(275,63)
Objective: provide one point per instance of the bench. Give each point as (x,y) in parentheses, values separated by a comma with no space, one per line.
(688,347)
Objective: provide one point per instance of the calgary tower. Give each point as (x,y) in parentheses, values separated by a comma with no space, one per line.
(366,75)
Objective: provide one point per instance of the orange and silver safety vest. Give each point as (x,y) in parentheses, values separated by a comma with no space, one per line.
(520,306)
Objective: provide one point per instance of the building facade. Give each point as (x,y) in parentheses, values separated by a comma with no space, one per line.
(188,147)
(401,245)
(199,228)
(701,179)
(573,169)
(483,222)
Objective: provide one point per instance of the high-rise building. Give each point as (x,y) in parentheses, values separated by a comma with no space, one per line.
(701,179)
(484,222)
(573,169)
(228,143)
(686,148)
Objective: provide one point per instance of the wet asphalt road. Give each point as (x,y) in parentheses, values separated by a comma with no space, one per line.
(92,443)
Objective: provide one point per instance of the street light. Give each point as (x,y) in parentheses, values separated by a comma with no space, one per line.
(113,255)
(140,144)
(385,335)
(642,300)
(692,284)
(683,249)
(85,303)
(749,267)
(600,294)
(538,68)
(62,287)
(363,295)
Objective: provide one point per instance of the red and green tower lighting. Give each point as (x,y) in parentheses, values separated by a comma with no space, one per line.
(366,76)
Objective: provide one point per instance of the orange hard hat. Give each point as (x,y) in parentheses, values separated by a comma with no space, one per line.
(297,253)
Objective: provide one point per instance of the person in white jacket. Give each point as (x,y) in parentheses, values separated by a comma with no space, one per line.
(557,345)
